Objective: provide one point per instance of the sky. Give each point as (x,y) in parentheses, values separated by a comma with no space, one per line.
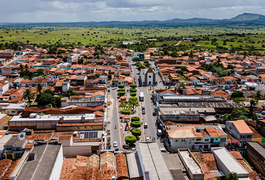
(123,10)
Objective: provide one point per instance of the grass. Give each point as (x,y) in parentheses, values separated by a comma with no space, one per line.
(115,35)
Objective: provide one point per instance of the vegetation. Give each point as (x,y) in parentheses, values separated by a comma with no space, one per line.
(136,132)
(237,94)
(46,99)
(130,139)
(28,95)
(121,86)
(133,90)
(70,92)
(216,68)
(135,118)
(133,86)
(238,99)
(126,111)
(231,176)
(136,124)
(133,93)
(239,113)
(121,93)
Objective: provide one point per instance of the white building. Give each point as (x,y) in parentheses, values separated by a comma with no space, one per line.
(149,77)
(4,88)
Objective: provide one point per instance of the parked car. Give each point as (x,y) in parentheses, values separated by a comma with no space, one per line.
(143,111)
(115,144)
(117,149)
(154,113)
(147,139)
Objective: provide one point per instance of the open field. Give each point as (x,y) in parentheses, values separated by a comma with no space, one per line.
(105,35)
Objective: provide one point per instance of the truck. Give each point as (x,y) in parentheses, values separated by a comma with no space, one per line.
(141,96)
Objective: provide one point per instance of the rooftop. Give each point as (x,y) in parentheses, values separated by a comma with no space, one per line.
(184,132)
(41,167)
(228,161)
(190,162)
(241,126)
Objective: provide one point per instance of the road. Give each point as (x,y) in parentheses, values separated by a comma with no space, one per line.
(114,121)
(149,107)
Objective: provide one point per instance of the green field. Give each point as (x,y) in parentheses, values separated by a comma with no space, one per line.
(93,35)
(114,36)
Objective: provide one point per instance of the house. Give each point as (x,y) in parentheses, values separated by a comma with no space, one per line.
(14,109)
(111,60)
(4,88)
(239,129)
(255,154)
(81,80)
(13,148)
(188,137)
(65,86)
(227,163)
(6,54)
(149,77)
(102,79)
(44,161)
(260,127)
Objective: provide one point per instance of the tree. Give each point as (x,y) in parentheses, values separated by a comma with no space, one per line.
(230,66)
(238,94)
(44,99)
(133,86)
(253,104)
(126,111)
(109,76)
(121,86)
(40,71)
(65,59)
(133,93)
(136,124)
(231,176)
(130,139)
(258,96)
(183,68)
(49,91)
(21,67)
(26,67)
(133,102)
(70,92)
(135,118)
(136,132)
(39,88)
(28,95)
(218,60)
(124,104)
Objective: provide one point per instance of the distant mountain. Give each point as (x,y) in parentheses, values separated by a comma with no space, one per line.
(246,19)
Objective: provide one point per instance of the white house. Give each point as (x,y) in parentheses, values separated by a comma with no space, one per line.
(4,88)
(149,77)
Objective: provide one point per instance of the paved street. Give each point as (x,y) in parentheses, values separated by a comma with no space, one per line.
(114,121)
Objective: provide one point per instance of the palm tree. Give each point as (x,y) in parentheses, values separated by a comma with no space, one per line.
(39,88)
(253,104)
(258,96)
(26,67)
(28,96)
(21,67)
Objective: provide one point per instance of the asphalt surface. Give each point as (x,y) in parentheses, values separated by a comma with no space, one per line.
(148,117)
(114,121)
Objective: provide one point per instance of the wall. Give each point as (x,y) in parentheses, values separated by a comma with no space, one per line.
(79,128)
(255,159)
(56,171)
(187,144)
(71,151)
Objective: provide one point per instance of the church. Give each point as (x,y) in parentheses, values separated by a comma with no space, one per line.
(149,77)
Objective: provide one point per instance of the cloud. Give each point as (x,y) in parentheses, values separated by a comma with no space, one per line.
(106,10)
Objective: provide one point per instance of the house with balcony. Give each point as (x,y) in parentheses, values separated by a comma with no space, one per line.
(240,130)
(13,148)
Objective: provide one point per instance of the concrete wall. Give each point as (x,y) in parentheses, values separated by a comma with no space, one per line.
(182,143)
(71,151)
(256,159)
(56,171)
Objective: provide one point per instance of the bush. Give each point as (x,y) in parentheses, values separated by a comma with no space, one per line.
(136,132)
(121,86)
(121,93)
(133,90)
(135,118)
(236,94)
(133,93)
(130,139)
(126,111)
(122,89)
(133,85)
(133,99)
(136,124)
(237,99)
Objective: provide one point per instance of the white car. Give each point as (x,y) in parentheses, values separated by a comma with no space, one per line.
(147,139)
(115,144)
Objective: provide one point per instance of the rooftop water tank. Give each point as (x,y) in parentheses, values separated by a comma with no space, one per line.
(21,135)
(7,133)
